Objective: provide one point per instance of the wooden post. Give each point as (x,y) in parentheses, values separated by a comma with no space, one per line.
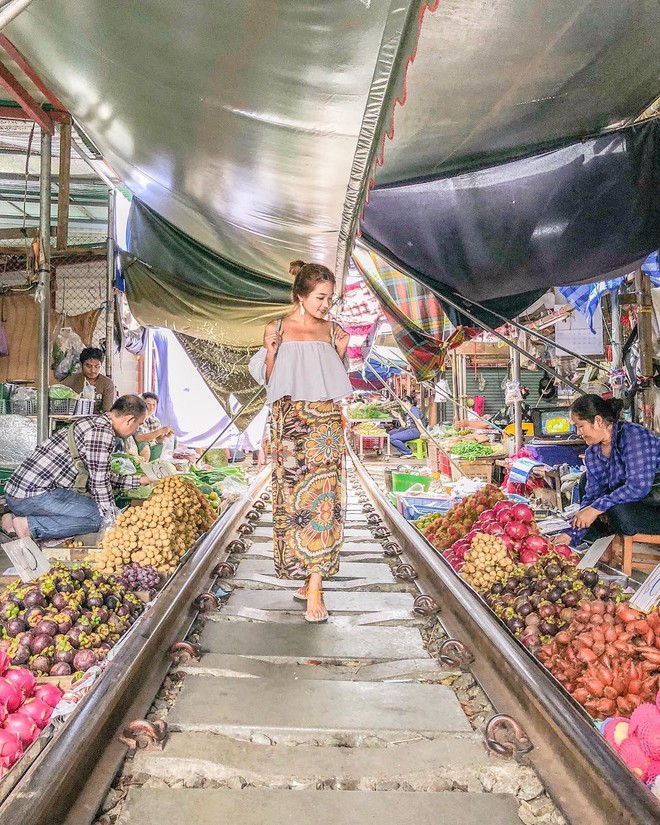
(645,331)
(64,187)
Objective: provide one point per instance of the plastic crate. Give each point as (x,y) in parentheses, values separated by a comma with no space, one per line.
(62,406)
(414,507)
(17,407)
(402,481)
(438,460)
(85,406)
(4,406)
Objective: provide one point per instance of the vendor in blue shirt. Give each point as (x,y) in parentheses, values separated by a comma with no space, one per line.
(622,465)
(408,431)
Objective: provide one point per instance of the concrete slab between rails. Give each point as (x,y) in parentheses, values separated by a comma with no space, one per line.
(351,551)
(255,806)
(338,603)
(405,670)
(296,616)
(261,581)
(323,712)
(417,765)
(307,641)
(249,569)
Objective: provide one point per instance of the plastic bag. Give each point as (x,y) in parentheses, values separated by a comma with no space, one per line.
(168,448)
(122,466)
(232,488)
(67,347)
(512,392)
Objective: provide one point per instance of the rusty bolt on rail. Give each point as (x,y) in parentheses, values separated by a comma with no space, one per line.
(206,601)
(405,572)
(237,546)
(224,570)
(141,734)
(425,606)
(253,516)
(374,519)
(183,652)
(259,505)
(382,533)
(265,496)
(391,548)
(516,743)
(245,529)
(455,654)
(368,508)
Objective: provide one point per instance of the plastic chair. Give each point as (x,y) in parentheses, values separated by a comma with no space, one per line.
(419,447)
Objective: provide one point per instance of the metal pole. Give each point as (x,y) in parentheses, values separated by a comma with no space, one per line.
(617,343)
(517,405)
(110,286)
(12,10)
(43,289)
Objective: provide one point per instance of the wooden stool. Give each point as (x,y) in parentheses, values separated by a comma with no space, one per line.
(622,547)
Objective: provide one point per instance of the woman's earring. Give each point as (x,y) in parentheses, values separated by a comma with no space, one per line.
(301,309)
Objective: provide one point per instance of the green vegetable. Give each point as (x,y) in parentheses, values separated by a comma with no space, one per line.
(471,450)
(59,392)
(361,410)
(118,464)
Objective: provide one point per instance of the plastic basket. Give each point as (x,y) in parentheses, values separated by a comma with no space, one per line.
(402,481)
(21,407)
(4,406)
(84,406)
(415,507)
(62,406)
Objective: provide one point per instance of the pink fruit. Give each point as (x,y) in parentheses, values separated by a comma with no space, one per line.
(564,551)
(634,757)
(502,505)
(23,679)
(37,710)
(495,529)
(536,543)
(517,530)
(615,730)
(22,726)
(644,713)
(528,556)
(504,516)
(10,696)
(521,512)
(50,694)
(5,661)
(10,748)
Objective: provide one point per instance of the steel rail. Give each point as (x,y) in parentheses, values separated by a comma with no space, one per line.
(69,780)
(582,774)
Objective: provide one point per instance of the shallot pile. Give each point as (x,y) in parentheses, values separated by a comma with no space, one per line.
(25,709)
(608,658)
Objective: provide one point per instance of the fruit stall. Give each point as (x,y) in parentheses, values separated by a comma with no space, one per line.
(581,623)
(61,629)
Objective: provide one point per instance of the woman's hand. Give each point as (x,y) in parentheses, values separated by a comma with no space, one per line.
(585,518)
(272,341)
(341,341)
(562,538)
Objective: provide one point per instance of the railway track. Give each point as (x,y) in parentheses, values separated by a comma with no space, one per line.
(383,712)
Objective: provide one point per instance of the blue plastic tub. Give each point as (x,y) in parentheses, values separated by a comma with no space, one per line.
(415,507)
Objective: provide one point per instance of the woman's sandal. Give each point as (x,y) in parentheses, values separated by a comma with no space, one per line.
(317,592)
(300,595)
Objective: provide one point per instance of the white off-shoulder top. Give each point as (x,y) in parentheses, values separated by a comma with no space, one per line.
(304,370)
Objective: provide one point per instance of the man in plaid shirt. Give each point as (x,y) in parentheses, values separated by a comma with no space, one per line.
(65,487)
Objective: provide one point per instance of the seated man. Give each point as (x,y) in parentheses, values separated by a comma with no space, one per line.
(151,431)
(90,373)
(65,487)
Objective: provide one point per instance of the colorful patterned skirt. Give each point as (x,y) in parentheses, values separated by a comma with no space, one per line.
(307,443)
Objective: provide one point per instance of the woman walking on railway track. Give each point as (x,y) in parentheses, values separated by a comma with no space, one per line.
(301,365)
